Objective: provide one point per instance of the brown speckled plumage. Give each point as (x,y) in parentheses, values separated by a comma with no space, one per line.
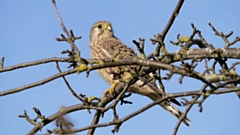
(103,44)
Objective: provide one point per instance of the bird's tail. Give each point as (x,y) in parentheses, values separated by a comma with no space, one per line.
(147,91)
(176,112)
(169,107)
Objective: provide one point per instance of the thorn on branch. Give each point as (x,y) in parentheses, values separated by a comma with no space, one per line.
(38,112)
(49,132)
(181,79)
(164,78)
(2,62)
(186,102)
(116,128)
(169,75)
(87,73)
(200,107)
(229,34)
(63,37)
(71,33)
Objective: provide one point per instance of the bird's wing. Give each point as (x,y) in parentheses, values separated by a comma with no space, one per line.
(108,48)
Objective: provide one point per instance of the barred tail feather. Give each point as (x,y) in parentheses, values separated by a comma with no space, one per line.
(176,112)
(147,91)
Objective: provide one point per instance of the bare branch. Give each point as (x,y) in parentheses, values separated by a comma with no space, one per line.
(159,38)
(188,109)
(148,63)
(69,87)
(33,63)
(126,118)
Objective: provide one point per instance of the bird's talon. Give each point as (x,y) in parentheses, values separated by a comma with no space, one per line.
(90,99)
(110,91)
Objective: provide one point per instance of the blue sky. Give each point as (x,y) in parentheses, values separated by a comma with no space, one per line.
(28,32)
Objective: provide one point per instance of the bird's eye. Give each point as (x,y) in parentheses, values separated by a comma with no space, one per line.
(99,26)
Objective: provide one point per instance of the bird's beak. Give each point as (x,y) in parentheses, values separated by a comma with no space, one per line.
(109,27)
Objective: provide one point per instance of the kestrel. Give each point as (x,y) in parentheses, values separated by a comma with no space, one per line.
(103,44)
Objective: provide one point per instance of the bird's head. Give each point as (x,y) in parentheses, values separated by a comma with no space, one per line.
(101,29)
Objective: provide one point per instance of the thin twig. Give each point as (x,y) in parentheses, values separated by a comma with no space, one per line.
(33,63)
(187,110)
(160,37)
(65,29)
(172,18)
(69,87)
(67,110)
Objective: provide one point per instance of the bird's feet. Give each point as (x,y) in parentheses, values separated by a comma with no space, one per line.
(110,91)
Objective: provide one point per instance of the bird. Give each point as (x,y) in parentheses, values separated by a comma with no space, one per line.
(104,44)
